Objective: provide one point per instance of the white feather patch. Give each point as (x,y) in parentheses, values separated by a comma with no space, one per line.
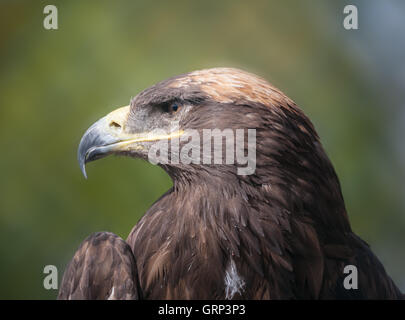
(111,297)
(233,282)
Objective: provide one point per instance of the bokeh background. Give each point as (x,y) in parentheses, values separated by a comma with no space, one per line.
(54,84)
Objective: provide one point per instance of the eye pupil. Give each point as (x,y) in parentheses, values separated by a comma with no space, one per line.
(175,107)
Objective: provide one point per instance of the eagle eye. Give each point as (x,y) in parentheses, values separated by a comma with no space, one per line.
(173,107)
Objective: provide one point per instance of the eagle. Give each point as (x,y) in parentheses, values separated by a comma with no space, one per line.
(279,231)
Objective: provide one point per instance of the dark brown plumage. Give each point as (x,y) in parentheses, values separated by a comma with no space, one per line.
(103,262)
(279,233)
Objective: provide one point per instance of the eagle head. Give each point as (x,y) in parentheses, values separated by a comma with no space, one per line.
(218,100)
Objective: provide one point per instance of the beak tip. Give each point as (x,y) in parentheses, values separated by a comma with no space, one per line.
(82,165)
(84,172)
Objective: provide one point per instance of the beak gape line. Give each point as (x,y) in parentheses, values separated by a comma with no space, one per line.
(207,150)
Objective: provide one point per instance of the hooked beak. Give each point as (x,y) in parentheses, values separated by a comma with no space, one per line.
(102,137)
(109,135)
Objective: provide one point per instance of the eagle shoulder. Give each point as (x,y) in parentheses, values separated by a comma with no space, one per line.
(103,267)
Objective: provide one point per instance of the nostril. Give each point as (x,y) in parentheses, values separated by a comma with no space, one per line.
(115,125)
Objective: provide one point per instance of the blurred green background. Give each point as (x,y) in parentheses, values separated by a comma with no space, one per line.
(54,84)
